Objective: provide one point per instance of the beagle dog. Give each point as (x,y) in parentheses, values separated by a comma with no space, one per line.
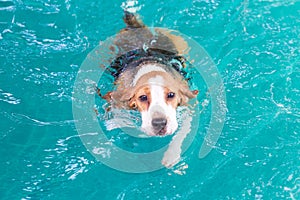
(150,75)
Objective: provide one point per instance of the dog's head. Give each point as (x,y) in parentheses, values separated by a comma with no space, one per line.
(156,95)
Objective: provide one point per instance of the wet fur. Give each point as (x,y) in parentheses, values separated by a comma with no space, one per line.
(134,36)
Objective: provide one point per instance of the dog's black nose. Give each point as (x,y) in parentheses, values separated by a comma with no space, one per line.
(159,123)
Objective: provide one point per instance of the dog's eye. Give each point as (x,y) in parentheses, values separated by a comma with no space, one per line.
(171,95)
(143,98)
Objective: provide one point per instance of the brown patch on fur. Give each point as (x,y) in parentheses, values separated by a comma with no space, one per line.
(137,103)
(107,96)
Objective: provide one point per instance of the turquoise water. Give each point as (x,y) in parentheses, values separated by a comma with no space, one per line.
(255,45)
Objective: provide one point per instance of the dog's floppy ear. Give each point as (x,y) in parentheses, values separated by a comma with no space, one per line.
(127,99)
(186,94)
(123,97)
(126,96)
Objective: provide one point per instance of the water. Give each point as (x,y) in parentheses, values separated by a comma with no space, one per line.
(255,45)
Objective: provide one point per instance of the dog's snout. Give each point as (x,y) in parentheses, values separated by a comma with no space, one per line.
(159,123)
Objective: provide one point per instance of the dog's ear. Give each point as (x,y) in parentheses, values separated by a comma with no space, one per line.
(127,99)
(185,94)
(127,95)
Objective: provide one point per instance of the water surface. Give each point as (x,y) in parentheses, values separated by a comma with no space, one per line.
(255,45)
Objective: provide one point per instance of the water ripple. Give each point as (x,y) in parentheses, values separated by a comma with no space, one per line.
(9,98)
(25,119)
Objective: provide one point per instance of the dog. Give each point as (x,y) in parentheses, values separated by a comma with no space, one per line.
(149,75)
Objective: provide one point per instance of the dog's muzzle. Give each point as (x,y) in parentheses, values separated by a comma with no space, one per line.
(159,120)
(159,125)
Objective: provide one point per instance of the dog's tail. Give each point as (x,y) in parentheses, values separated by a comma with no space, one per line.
(132,21)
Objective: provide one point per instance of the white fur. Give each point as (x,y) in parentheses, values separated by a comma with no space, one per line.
(145,70)
(158,104)
(172,155)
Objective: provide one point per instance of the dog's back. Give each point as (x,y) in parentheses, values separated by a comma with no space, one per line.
(137,36)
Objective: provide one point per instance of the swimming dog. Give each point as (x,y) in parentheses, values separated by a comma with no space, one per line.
(149,75)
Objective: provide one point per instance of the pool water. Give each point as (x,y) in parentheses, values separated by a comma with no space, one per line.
(255,45)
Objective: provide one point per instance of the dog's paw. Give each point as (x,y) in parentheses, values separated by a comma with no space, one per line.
(170,158)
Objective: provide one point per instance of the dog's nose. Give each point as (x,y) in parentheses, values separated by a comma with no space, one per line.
(159,123)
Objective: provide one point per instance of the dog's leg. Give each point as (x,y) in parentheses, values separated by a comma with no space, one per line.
(172,155)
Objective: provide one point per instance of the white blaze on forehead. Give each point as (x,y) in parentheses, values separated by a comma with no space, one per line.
(156,81)
(145,70)
(157,91)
